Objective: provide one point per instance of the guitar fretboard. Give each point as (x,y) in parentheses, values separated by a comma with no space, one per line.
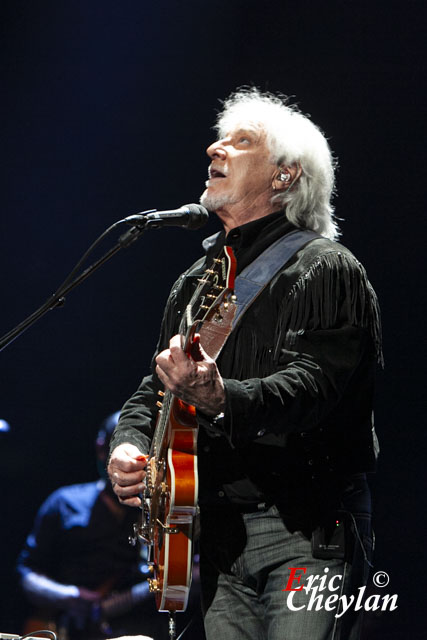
(212,286)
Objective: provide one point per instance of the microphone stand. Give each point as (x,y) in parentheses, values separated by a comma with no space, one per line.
(58,298)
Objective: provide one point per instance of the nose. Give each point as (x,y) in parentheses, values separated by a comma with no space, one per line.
(216,150)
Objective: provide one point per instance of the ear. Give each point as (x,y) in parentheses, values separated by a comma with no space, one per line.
(285,177)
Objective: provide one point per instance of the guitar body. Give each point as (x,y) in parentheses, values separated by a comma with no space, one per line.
(173,509)
(170,501)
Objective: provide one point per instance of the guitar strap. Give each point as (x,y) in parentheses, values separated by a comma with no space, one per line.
(256,276)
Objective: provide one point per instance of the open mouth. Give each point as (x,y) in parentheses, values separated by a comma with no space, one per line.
(215,173)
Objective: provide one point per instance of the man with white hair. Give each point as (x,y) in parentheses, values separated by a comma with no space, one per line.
(285,414)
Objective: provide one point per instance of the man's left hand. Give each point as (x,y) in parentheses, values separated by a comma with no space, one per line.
(195,380)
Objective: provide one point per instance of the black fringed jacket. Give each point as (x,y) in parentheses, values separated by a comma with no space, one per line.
(298,374)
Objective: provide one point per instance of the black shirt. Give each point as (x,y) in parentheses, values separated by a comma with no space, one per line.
(78,540)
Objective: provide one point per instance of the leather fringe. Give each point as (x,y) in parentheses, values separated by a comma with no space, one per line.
(315,301)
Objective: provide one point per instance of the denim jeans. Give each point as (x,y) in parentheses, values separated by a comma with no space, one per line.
(246,561)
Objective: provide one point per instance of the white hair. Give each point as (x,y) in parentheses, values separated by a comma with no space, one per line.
(293,140)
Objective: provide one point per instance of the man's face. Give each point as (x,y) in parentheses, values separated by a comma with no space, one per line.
(240,173)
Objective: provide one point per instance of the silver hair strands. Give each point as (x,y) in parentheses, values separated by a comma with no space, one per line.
(293,139)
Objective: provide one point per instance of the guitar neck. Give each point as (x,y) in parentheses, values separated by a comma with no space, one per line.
(211,307)
(161,426)
(124,601)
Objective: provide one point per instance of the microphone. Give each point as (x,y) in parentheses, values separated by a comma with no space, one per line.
(190,216)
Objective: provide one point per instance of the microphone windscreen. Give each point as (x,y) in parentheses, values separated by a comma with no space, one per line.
(199,216)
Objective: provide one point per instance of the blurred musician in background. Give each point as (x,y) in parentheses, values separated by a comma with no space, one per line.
(77,567)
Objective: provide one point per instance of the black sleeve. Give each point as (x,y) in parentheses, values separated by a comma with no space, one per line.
(298,397)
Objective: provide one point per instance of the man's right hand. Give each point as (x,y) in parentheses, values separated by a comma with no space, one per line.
(127,472)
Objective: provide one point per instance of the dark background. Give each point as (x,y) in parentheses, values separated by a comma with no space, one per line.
(106,110)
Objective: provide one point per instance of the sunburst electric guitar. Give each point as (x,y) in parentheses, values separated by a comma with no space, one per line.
(169,504)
